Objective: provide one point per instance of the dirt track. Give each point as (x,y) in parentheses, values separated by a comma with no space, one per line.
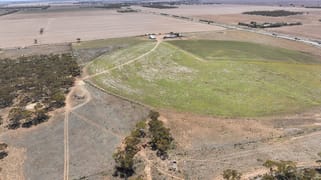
(207,146)
(95,129)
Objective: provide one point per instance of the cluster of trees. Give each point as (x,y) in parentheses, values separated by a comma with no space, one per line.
(159,6)
(127,10)
(254,24)
(159,139)
(43,79)
(314,7)
(124,157)
(112,6)
(279,170)
(287,170)
(276,13)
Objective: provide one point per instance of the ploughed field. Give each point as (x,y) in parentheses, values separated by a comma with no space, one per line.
(61,25)
(220,78)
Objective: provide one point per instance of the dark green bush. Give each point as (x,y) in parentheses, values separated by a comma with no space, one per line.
(161,138)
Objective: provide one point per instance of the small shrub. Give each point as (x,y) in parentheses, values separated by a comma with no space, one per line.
(153,115)
(231,174)
(3,146)
(3,154)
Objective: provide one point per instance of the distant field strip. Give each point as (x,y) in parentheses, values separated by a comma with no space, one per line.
(248,80)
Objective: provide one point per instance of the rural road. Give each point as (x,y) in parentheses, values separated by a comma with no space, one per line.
(235,27)
(80,86)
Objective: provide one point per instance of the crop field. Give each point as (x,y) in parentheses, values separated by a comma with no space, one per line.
(220,78)
(21,29)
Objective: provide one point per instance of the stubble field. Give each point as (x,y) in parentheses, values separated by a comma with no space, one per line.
(20,29)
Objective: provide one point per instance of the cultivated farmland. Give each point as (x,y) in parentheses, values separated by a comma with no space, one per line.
(232,14)
(21,29)
(155,107)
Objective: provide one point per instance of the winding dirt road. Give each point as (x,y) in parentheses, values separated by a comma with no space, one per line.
(80,86)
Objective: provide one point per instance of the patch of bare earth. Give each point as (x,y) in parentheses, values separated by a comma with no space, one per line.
(12,165)
(206,146)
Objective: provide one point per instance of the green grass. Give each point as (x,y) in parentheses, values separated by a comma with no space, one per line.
(231,50)
(170,78)
(121,56)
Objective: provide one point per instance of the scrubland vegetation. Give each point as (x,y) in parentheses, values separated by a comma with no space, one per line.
(40,81)
(152,132)
(278,170)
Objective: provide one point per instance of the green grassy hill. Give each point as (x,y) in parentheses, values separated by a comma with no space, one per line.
(233,50)
(236,79)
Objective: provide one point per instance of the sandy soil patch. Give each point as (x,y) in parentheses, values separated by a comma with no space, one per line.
(12,165)
(206,146)
(218,131)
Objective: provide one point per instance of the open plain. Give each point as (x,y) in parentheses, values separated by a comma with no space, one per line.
(232,99)
(232,14)
(21,29)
